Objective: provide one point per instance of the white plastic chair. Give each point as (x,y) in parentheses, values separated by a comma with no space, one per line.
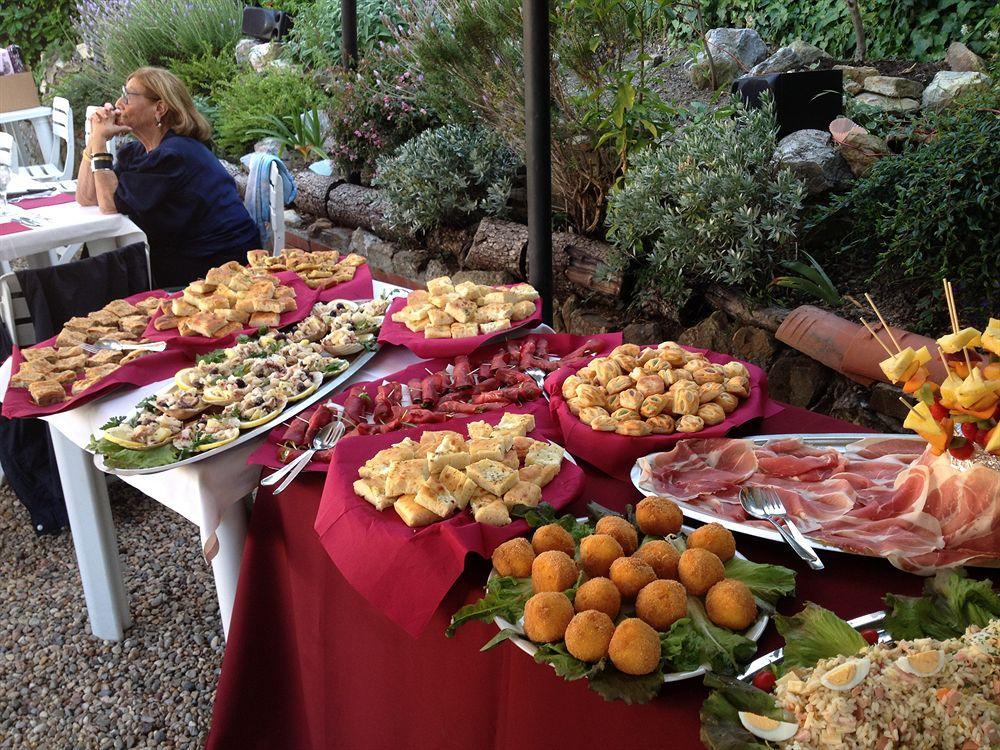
(277,195)
(62,130)
(6,148)
(112,142)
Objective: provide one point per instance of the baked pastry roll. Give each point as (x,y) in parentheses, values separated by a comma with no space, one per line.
(728,402)
(645,355)
(604,424)
(626,362)
(674,375)
(690,423)
(614,402)
(569,386)
(121,308)
(650,384)
(590,413)
(68,337)
(38,353)
(47,392)
(711,414)
(686,401)
(166,321)
(590,395)
(738,387)
(629,350)
(710,374)
(735,370)
(633,427)
(653,405)
(149,305)
(697,363)
(708,392)
(674,356)
(654,364)
(623,415)
(618,384)
(606,371)
(575,406)
(661,424)
(630,399)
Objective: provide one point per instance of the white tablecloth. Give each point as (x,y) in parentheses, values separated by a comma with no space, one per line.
(68,224)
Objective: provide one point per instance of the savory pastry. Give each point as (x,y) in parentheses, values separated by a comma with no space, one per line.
(46,392)
(690,423)
(711,414)
(633,427)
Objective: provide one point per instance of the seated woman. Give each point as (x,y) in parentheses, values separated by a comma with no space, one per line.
(167,180)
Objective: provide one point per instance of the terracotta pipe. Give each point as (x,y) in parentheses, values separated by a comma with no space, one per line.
(847,347)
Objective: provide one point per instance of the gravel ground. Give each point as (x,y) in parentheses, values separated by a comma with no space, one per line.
(63,689)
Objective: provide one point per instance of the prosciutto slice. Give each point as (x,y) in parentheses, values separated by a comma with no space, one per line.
(882,496)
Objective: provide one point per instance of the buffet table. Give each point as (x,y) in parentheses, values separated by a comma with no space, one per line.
(311,664)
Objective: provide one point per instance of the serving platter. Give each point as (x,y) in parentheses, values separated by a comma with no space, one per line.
(837,441)
(872,620)
(293,408)
(754,632)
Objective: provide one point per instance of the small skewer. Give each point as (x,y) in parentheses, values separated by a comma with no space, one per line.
(906,403)
(944,361)
(953,312)
(882,321)
(872,332)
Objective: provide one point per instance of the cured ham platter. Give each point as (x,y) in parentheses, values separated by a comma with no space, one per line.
(879,495)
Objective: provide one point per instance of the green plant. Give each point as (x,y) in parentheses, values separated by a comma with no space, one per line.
(448,175)
(930,212)
(315,36)
(202,73)
(303,134)
(35,25)
(811,280)
(246,103)
(710,204)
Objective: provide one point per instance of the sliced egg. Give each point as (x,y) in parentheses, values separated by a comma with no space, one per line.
(846,675)
(922,663)
(766,728)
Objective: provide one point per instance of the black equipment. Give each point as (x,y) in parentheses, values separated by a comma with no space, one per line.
(266,24)
(811,99)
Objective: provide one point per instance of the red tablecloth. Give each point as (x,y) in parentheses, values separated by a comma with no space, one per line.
(310,665)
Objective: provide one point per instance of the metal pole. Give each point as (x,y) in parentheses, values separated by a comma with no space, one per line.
(349,49)
(537,128)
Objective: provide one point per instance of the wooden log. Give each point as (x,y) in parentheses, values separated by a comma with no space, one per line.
(498,245)
(768,318)
(453,241)
(312,191)
(586,265)
(358,206)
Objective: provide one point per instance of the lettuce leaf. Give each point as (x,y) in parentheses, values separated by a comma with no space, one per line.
(613,685)
(565,664)
(815,633)
(544,514)
(681,647)
(720,722)
(117,457)
(505,597)
(950,604)
(723,650)
(766,582)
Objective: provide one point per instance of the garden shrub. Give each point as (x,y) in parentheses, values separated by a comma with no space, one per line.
(932,211)
(315,36)
(245,102)
(451,175)
(709,205)
(373,110)
(203,73)
(35,25)
(909,29)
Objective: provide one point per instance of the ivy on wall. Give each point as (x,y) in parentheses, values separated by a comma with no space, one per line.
(35,25)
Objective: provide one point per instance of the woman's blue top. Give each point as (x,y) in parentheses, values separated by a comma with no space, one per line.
(183,199)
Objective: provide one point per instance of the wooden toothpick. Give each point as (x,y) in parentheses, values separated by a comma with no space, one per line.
(881,343)
(882,321)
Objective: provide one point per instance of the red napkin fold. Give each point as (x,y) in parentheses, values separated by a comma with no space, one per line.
(559,343)
(405,572)
(305,298)
(360,287)
(147,369)
(397,333)
(616,454)
(12,227)
(49,200)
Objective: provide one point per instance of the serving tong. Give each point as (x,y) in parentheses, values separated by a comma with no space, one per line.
(123,346)
(766,505)
(325,439)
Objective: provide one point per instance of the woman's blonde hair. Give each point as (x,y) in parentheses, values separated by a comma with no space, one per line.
(181,115)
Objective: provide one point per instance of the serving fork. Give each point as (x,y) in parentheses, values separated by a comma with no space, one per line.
(765,504)
(123,346)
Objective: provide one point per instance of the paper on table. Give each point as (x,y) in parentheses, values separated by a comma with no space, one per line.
(616,454)
(404,572)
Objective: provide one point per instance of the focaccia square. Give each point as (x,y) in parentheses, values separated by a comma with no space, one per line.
(495,326)
(265,319)
(46,392)
(405,477)
(372,494)
(462,310)
(523,493)
(413,514)
(494,514)
(517,424)
(522,310)
(540,474)
(206,324)
(458,485)
(437,332)
(440,285)
(435,497)
(464,330)
(166,321)
(182,308)
(439,317)
(492,476)
(494,312)
(479,430)
(523,292)
(546,454)
(121,308)
(487,448)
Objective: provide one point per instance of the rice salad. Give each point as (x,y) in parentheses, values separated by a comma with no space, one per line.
(912,694)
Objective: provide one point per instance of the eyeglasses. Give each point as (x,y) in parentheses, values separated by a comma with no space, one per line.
(127,94)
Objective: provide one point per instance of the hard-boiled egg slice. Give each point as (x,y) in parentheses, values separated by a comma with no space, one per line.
(922,663)
(766,728)
(847,675)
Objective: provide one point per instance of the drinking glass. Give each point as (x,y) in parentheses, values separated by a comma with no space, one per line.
(4,182)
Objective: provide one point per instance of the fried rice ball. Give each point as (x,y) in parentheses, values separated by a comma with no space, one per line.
(635,647)
(621,530)
(553,571)
(658,516)
(630,574)
(597,552)
(699,570)
(715,538)
(600,594)
(661,556)
(731,605)
(661,604)
(589,635)
(552,536)
(514,558)
(546,616)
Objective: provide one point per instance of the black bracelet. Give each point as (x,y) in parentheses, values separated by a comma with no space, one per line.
(102,163)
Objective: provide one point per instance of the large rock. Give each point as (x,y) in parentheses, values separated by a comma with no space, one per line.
(797,379)
(643,332)
(859,148)
(262,55)
(963,60)
(243,47)
(268,146)
(798,54)
(888,103)
(490,278)
(754,345)
(377,251)
(856,73)
(711,333)
(948,84)
(734,51)
(852,87)
(811,155)
(441,266)
(899,88)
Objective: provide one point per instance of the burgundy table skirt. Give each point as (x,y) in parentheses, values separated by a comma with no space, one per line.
(310,665)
